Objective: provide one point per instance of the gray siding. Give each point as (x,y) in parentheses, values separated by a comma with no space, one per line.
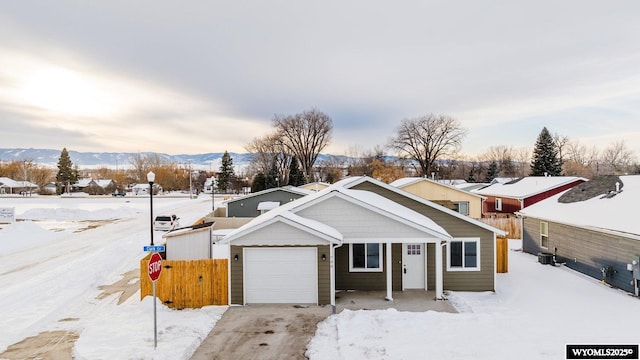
(585,250)
(346,280)
(461,281)
(248,206)
(324,278)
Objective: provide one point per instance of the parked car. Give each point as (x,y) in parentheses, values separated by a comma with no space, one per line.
(165,222)
(119,193)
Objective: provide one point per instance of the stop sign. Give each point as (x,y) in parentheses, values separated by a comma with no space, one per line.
(155,266)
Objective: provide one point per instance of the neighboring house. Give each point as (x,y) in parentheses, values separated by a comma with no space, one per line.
(260,202)
(515,195)
(50,188)
(143,189)
(314,186)
(592,227)
(210,185)
(358,234)
(444,194)
(10,186)
(84,184)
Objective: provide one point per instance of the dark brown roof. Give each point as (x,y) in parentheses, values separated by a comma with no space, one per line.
(601,185)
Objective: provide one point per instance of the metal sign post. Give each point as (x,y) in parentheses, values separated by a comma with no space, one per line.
(155,267)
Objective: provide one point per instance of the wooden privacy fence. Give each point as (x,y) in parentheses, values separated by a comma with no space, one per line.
(188,283)
(502,254)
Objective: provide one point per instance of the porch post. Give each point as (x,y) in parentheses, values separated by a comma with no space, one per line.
(438,270)
(332,274)
(389,270)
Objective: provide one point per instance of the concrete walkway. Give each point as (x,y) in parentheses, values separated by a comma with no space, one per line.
(277,331)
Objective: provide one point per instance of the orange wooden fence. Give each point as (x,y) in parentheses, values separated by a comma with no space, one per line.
(188,283)
(502,253)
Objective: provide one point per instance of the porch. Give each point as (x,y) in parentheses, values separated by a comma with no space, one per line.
(408,300)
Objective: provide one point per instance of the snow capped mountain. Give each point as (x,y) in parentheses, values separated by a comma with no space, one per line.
(49,157)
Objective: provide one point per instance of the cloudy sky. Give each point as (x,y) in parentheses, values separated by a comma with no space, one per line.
(186,77)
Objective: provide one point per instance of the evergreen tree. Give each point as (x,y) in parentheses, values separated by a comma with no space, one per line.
(66,174)
(471,178)
(492,172)
(273,177)
(545,156)
(226,174)
(259,183)
(296,177)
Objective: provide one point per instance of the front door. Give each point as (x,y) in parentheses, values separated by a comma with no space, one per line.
(413,266)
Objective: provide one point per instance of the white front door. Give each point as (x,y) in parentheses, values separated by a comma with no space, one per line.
(413,266)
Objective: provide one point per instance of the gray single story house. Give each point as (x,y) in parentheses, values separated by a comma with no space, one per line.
(260,202)
(358,234)
(592,228)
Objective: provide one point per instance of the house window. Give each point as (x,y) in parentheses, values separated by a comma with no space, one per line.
(498,204)
(413,249)
(462,207)
(365,257)
(463,254)
(544,234)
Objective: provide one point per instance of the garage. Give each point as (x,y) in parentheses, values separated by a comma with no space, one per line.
(281,275)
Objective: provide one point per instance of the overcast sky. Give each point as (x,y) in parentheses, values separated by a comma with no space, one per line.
(186,77)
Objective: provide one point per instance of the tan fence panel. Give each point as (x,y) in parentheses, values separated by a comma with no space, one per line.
(189,283)
(502,253)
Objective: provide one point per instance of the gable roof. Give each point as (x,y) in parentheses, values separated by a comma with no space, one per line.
(601,209)
(374,202)
(527,186)
(289,189)
(279,215)
(353,181)
(8,182)
(404,182)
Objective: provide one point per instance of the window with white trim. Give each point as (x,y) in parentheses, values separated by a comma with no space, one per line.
(463,254)
(462,207)
(544,234)
(498,204)
(365,257)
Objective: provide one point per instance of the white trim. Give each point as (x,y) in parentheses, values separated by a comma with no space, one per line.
(547,234)
(380,259)
(498,204)
(439,275)
(464,240)
(389,277)
(394,240)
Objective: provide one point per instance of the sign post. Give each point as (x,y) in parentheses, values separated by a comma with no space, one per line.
(154,269)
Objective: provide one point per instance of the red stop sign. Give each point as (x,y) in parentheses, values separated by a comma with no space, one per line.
(155,266)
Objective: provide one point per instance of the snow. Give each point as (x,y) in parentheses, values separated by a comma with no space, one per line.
(621,215)
(527,186)
(51,271)
(535,311)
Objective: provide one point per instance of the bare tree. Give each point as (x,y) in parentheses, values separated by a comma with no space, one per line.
(305,135)
(617,157)
(503,156)
(269,150)
(427,139)
(562,142)
(580,160)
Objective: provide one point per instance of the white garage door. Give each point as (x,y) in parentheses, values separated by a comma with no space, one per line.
(280,275)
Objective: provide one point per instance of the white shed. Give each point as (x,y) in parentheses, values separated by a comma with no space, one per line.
(192,243)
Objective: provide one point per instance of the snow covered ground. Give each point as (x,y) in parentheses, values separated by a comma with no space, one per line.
(52,268)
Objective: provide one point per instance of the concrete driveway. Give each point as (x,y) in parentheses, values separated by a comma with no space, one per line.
(277,331)
(262,332)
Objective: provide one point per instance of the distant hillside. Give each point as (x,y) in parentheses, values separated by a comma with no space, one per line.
(49,158)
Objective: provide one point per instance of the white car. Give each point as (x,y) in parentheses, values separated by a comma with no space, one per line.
(166,223)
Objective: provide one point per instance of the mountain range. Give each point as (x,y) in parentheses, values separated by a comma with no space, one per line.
(114,160)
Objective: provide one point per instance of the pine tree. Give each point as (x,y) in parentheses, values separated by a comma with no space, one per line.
(492,172)
(471,178)
(296,177)
(545,156)
(259,183)
(66,174)
(226,174)
(273,177)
